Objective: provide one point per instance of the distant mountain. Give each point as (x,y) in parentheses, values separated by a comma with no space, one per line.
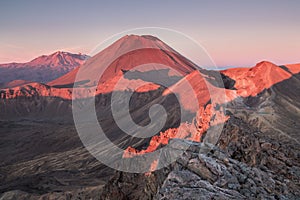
(42,69)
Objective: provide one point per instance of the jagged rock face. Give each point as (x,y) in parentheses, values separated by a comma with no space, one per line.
(245,165)
(133,186)
(220,177)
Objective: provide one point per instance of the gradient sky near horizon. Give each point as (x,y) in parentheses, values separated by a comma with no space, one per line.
(234,33)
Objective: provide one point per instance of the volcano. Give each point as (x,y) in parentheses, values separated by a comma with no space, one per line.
(125,54)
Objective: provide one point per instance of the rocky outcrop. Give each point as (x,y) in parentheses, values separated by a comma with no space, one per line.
(244,165)
(206,117)
(216,176)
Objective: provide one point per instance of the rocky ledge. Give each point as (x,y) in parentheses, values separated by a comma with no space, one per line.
(244,165)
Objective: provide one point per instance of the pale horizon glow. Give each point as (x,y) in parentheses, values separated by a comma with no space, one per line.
(234,33)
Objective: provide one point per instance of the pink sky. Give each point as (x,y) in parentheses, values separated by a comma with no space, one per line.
(233,33)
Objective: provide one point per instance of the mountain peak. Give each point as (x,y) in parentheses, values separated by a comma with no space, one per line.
(265,64)
(127,53)
(252,81)
(131,42)
(61,53)
(140,37)
(43,68)
(60,58)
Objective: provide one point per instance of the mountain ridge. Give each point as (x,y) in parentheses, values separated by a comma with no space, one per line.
(41,69)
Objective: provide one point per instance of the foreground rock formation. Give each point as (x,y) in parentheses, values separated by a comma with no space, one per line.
(244,165)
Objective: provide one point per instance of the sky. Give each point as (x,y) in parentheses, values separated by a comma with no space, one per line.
(234,33)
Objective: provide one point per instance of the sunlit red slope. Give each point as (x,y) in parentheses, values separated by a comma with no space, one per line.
(293,68)
(203,87)
(252,81)
(125,54)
